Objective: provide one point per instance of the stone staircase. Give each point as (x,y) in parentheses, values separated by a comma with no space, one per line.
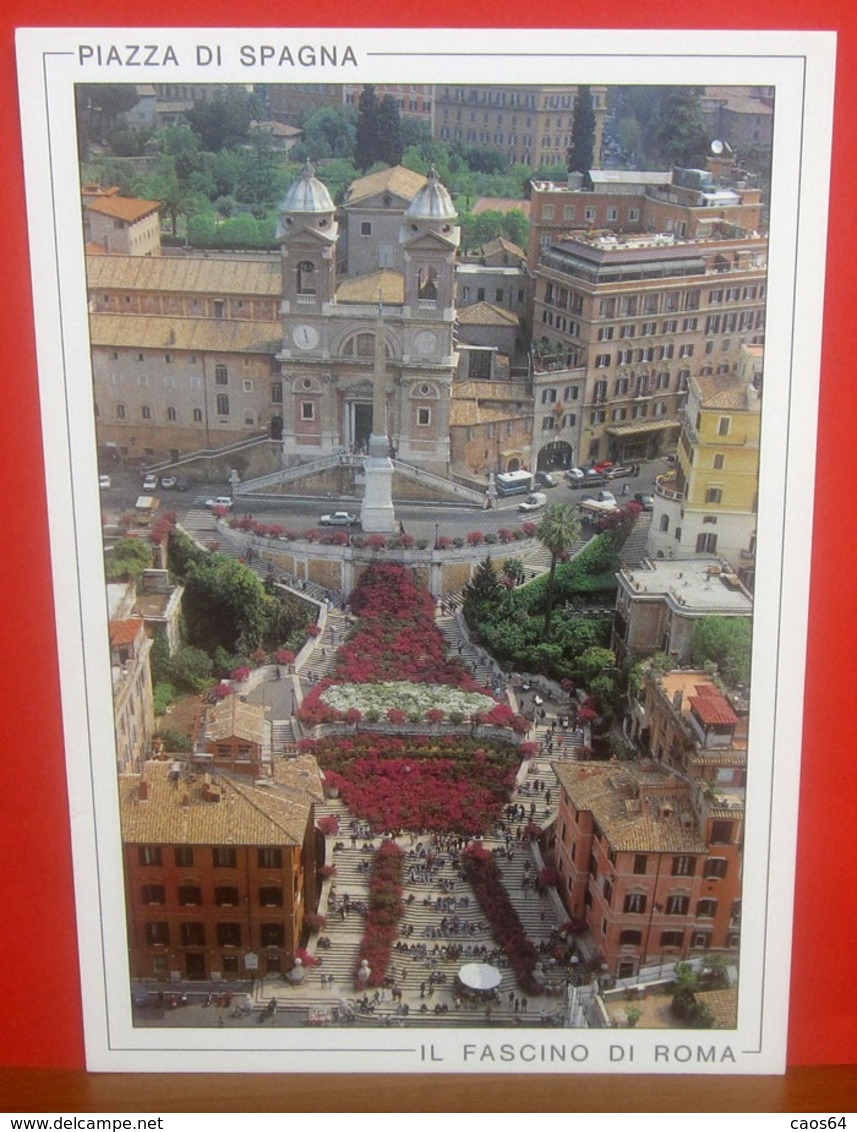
(441,912)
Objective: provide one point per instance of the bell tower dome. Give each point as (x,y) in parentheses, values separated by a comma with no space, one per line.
(307,232)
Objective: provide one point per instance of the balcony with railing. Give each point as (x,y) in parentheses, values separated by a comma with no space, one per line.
(666,487)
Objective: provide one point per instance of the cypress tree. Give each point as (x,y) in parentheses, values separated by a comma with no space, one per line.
(389,132)
(368,147)
(582,151)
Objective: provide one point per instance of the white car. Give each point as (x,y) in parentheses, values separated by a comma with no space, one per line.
(150,482)
(168,482)
(533,502)
(224,501)
(338,519)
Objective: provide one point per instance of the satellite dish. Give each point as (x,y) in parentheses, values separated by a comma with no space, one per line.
(717,146)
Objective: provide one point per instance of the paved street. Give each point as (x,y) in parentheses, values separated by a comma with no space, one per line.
(422,520)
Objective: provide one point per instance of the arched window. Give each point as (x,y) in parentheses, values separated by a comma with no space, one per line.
(171,413)
(427,283)
(120,412)
(146,413)
(665,523)
(306,277)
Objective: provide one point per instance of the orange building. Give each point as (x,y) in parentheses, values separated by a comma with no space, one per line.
(650,852)
(219,872)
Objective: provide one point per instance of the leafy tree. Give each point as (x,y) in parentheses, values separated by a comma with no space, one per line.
(174,740)
(715,971)
(175,197)
(368,145)
(679,135)
(180,151)
(261,177)
(593,662)
(163,694)
(389,131)
(582,151)
(99,107)
(330,131)
(224,121)
(484,586)
(728,642)
(225,604)
(128,559)
(192,668)
(558,531)
(482,227)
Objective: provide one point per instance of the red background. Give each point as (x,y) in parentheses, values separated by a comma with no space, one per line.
(38,963)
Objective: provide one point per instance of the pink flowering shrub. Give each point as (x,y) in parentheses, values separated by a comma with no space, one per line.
(485,878)
(385,910)
(397,637)
(448,782)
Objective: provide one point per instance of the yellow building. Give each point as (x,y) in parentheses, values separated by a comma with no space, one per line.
(707,504)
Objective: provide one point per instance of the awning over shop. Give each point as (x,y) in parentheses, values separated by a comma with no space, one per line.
(637,427)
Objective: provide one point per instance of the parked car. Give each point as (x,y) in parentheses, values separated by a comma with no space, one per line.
(647,502)
(150,482)
(182,483)
(533,502)
(168,482)
(104,482)
(338,519)
(546,479)
(591,478)
(224,501)
(620,470)
(575,476)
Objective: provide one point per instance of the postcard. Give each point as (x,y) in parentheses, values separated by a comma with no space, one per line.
(430,508)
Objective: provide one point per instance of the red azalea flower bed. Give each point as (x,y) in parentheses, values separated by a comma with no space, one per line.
(485,878)
(385,910)
(397,638)
(446,784)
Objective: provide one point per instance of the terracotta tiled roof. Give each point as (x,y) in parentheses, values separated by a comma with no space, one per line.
(500,204)
(639,808)
(398,180)
(486,314)
(183,812)
(301,773)
(712,707)
(125,632)
(366,288)
(161,333)
(500,245)
(276,129)
(128,209)
(232,718)
(726,392)
(186,274)
(723,1004)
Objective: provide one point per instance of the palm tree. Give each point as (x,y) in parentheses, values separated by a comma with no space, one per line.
(558,531)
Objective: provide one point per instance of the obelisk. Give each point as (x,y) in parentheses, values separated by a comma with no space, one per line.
(376,510)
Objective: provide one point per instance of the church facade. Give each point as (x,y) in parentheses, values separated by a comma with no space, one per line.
(330,326)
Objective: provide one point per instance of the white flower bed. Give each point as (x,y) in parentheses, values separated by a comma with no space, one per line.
(411,698)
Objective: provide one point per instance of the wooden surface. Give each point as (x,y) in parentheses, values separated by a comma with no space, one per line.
(828,1089)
